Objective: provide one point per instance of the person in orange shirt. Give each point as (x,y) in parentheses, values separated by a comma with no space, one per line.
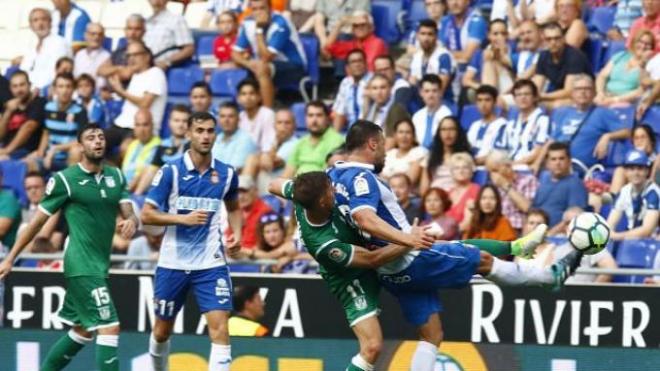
(486,219)
(249,309)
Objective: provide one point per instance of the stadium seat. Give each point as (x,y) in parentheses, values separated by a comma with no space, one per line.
(274,202)
(417,12)
(601,19)
(181,79)
(13,175)
(652,118)
(114,108)
(626,115)
(613,47)
(224,82)
(636,254)
(616,152)
(298,110)
(470,114)
(107,43)
(480,177)
(165,123)
(204,47)
(595,49)
(194,14)
(244,268)
(385,20)
(311,46)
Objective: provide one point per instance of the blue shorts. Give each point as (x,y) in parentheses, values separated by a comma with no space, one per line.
(444,265)
(212,287)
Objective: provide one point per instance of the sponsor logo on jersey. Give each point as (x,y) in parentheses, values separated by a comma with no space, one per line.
(110,182)
(187,177)
(222,301)
(361,186)
(50,185)
(197,203)
(222,288)
(157,178)
(396,279)
(215,178)
(337,254)
(83,182)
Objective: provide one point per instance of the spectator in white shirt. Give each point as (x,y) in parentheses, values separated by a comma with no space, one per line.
(89,59)
(168,36)
(41,55)
(428,118)
(147,90)
(256,119)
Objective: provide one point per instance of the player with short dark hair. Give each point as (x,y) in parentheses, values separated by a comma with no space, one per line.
(186,196)
(90,194)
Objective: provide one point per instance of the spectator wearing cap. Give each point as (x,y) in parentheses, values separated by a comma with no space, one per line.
(586,127)
(70,21)
(362,37)
(118,62)
(41,54)
(557,67)
(649,21)
(147,90)
(233,145)
(559,188)
(639,200)
(168,36)
(462,30)
(331,12)
(432,58)
(312,150)
(10,216)
(255,118)
(517,190)
(249,309)
(141,150)
(22,121)
(89,59)
(278,57)
(349,100)
(252,208)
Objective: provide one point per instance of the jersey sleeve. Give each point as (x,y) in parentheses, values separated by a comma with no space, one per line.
(364,193)
(125,194)
(336,254)
(287,189)
(80,27)
(242,43)
(56,195)
(161,187)
(9,207)
(445,65)
(232,192)
(543,130)
(477,29)
(652,200)
(278,39)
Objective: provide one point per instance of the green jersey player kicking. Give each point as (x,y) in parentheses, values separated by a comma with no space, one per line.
(90,194)
(347,268)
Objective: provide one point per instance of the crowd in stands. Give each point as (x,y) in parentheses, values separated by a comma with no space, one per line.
(498,115)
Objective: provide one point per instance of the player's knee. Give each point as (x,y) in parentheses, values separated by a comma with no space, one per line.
(372,349)
(82,332)
(434,337)
(113,330)
(486,263)
(162,331)
(219,333)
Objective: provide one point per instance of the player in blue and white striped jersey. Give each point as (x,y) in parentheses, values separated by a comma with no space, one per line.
(187,196)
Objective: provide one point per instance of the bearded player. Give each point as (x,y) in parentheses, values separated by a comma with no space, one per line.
(90,194)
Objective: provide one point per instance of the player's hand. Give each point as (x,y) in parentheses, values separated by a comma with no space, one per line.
(233,247)
(127,228)
(419,236)
(5,268)
(196,217)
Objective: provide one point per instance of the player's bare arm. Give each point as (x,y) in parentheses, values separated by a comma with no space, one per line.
(23,240)
(130,222)
(275,186)
(152,216)
(368,220)
(236,223)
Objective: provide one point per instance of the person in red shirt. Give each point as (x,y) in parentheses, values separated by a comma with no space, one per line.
(228,26)
(362,37)
(252,208)
(650,21)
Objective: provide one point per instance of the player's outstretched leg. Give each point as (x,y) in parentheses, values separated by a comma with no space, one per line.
(220,356)
(63,351)
(565,268)
(370,337)
(426,353)
(523,246)
(107,341)
(159,344)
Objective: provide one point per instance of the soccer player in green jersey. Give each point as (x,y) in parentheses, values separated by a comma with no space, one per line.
(347,268)
(90,194)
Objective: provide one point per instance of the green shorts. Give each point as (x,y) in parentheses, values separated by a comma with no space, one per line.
(88,304)
(358,294)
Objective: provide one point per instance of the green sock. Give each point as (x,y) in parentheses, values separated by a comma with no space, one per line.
(106,352)
(494,247)
(359,364)
(61,353)
(353,367)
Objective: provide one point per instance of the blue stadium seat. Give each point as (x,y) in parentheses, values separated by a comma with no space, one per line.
(10,71)
(480,177)
(274,202)
(165,123)
(616,152)
(652,118)
(224,82)
(121,43)
(636,254)
(114,108)
(470,114)
(244,268)
(204,46)
(417,12)
(601,19)
(594,49)
(613,47)
(13,175)
(298,110)
(626,115)
(311,46)
(181,79)
(107,43)
(385,20)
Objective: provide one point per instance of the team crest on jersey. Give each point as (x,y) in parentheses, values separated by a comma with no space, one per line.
(104,313)
(336,254)
(157,178)
(110,182)
(361,186)
(360,303)
(50,185)
(215,178)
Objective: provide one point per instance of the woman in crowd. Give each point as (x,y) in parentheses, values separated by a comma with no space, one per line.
(449,139)
(227,23)
(643,139)
(569,17)
(619,82)
(435,203)
(464,192)
(407,156)
(485,218)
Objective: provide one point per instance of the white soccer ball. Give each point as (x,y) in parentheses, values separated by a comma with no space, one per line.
(589,233)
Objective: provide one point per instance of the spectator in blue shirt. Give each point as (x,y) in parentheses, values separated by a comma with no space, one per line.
(233,145)
(587,127)
(489,132)
(70,21)
(435,10)
(463,30)
(559,188)
(272,40)
(349,100)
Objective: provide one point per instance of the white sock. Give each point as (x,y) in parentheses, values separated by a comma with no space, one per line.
(107,340)
(509,273)
(159,353)
(79,338)
(220,357)
(360,362)
(424,357)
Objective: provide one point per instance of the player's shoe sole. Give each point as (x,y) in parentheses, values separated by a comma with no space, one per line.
(565,268)
(525,246)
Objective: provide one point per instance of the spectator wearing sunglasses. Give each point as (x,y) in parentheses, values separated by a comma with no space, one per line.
(252,208)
